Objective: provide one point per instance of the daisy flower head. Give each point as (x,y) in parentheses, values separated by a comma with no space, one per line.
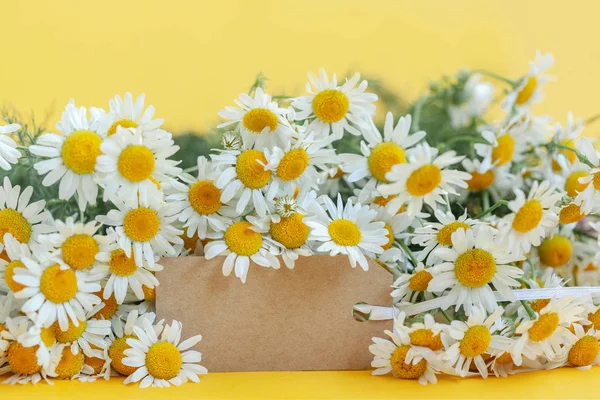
(425,178)
(567,136)
(559,249)
(261,122)
(587,198)
(145,230)
(529,88)
(333,108)
(88,335)
(71,157)
(15,251)
(475,262)
(582,353)
(409,286)
(502,364)
(473,339)
(485,176)
(198,202)
(126,113)
(381,152)
(8,147)
(133,165)
(244,241)
(161,358)
(476,97)
(501,149)
(42,339)
(348,229)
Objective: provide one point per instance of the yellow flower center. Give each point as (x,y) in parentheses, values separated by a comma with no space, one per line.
(70,364)
(383,201)
(594,318)
(584,351)
(527,91)
(141,224)
(163,360)
(257,119)
(149,293)
(383,157)
(48,336)
(136,163)
(204,197)
(505,358)
(109,309)
(480,181)
(555,251)
(123,123)
(444,235)
(290,231)
(419,281)
(404,370)
(424,180)
(504,151)
(57,285)
(116,353)
(338,174)
(570,214)
(80,150)
(344,232)
(120,264)
(572,184)
(476,341)
(250,172)
(71,334)
(242,240)
(9,274)
(96,363)
(292,165)
(13,222)
(597,181)
(390,237)
(475,268)
(330,105)
(539,304)
(528,217)
(22,360)
(189,243)
(570,154)
(544,327)
(426,338)
(79,251)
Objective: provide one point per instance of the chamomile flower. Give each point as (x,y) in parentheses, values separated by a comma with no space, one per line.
(502,364)
(581,354)
(425,178)
(498,181)
(475,261)
(557,250)
(88,335)
(529,88)
(134,165)
(568,136)
(72,156)
(347,229)
(42,339)
(8,147)
(476,96)
(409,286)
(502,148)
(333,108)
(261,121)
(427,333)
(587,198)
(126,113)
(243,241)
(381,152)
(15,251)
(162,360)
(145,230)
(531,219)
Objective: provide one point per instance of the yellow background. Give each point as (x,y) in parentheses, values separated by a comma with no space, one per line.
(191,58)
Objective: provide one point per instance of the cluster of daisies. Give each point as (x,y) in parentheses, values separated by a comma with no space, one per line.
(463,221)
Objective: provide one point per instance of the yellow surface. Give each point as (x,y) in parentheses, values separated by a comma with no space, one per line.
(557,384)
(191,57)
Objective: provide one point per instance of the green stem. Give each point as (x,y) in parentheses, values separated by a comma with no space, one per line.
(282,97)
(579,154)
(447,202)
(409,252)
(492,208)
(259,82)
(417,113)
(592,119)
(529,310)
(486,200)
(191,169)
(496,76)
(464,138)
(445,314)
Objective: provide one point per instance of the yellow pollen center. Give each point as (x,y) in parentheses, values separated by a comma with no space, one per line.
(136,163)
(58,286)
(80,150)
(9,274)
(383,201)
(505,358)
(116,354)
(292,165)
(539,304)
(383,157)
(475,268)
(123,123)
(290,231)
(597,181)
(13,222)
(504,151)
(584,351)
(257,119)
(22,360)
(109,309)
(572,184)
(544,327)
(96,363)
(141,224)
(79,251)
(444,235)
(424,180)
(250,172)
(70,364)
(570,214)
(480,181)
(120,264)
(402,369)
(338,174)
(163,360)
(555,251)
(476,341)
(48,336)
(204,197)
(527,91)
(149,293)
(189,243)
(71,334)
(330,105)
(390,237)
(419,281)
(344,232)
(570,154)
(528,217)
(242,240)
(426,338)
